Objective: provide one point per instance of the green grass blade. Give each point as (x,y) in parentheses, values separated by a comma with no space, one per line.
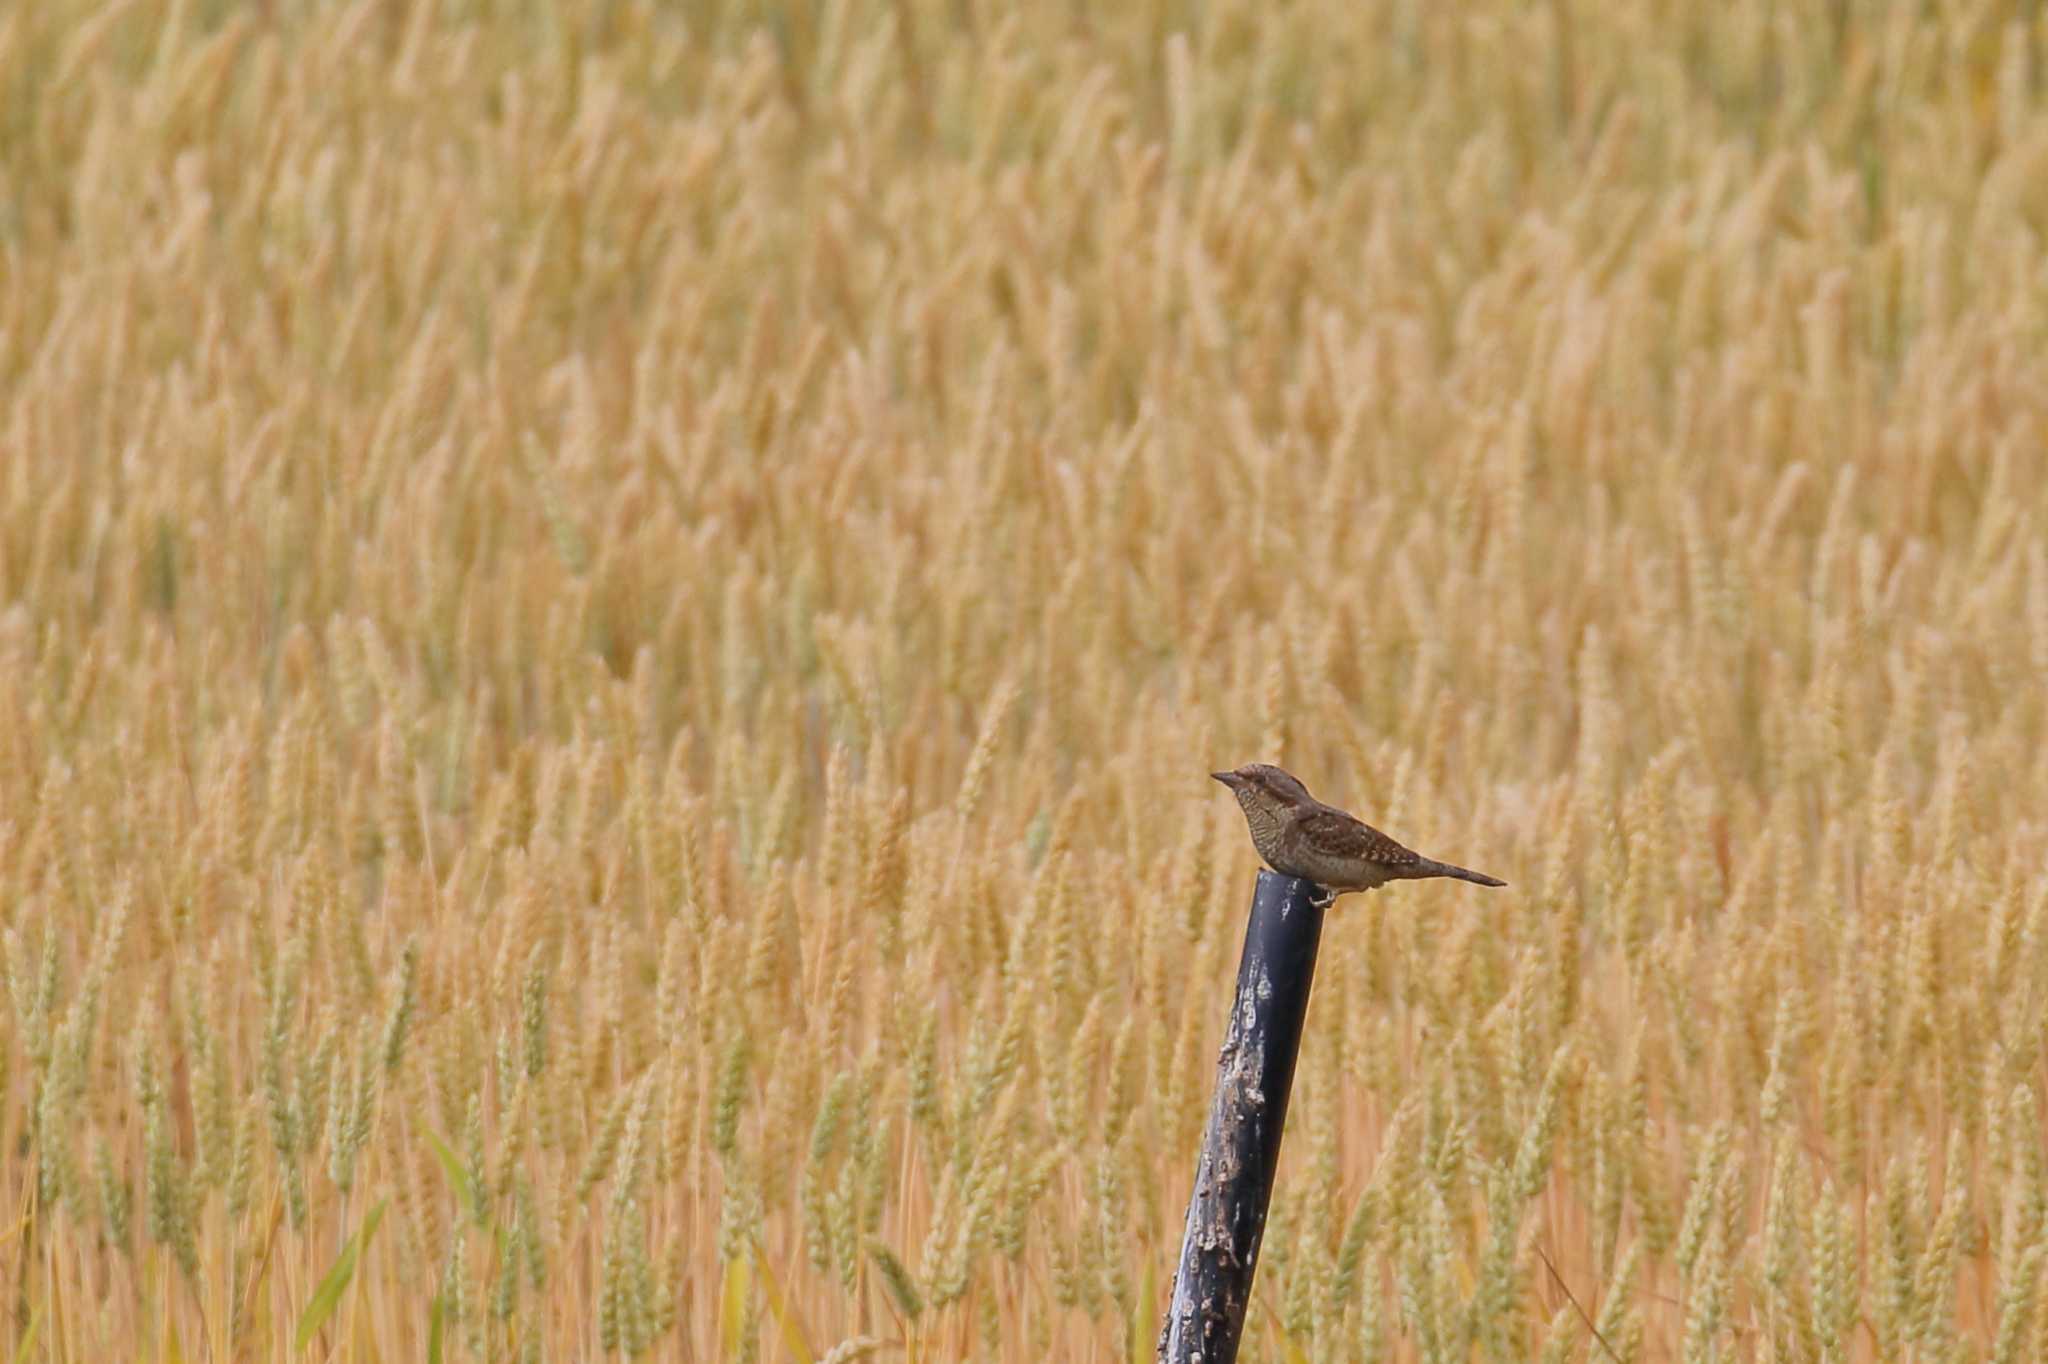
(465,1187)
(27,1348)
(328,1295)
(434,1320)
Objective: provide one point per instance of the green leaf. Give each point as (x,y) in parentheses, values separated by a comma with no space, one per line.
(328,1295)
(465,1187)
(1144,1312)
(26,1350)
(434,1331)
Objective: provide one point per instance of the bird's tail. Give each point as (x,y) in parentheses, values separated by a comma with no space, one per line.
(1460,873)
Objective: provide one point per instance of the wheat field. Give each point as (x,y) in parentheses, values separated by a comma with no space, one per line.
(614,616)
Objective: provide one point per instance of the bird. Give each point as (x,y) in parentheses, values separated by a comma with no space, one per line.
(1298,835)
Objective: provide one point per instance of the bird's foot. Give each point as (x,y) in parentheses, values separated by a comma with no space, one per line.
(1323,898)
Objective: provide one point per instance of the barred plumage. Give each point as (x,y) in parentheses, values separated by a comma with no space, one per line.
(1298,835)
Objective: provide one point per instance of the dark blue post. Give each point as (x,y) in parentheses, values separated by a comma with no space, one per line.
(1241,1148)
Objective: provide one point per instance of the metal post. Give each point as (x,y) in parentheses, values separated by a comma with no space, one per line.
(1241,1148)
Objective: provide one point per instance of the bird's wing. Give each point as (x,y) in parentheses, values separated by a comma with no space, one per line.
(1336,834)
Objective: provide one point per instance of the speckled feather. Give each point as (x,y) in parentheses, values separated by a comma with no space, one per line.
(1298,835)
(1332,833)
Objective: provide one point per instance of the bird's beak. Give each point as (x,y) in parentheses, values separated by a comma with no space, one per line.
(1229,779)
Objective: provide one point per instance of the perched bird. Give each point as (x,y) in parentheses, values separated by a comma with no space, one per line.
(1298,835)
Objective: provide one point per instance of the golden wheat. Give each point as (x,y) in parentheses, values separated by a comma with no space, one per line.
(612,619)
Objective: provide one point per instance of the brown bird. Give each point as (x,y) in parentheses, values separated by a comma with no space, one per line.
(1298,835)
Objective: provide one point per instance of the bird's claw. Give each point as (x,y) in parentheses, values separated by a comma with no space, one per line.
(1323,898)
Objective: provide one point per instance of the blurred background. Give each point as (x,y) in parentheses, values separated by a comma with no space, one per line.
(614,616)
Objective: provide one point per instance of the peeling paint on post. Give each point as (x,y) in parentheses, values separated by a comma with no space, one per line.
(1241,1148)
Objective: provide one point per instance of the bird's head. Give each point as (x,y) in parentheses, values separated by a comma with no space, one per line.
(1264,784)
